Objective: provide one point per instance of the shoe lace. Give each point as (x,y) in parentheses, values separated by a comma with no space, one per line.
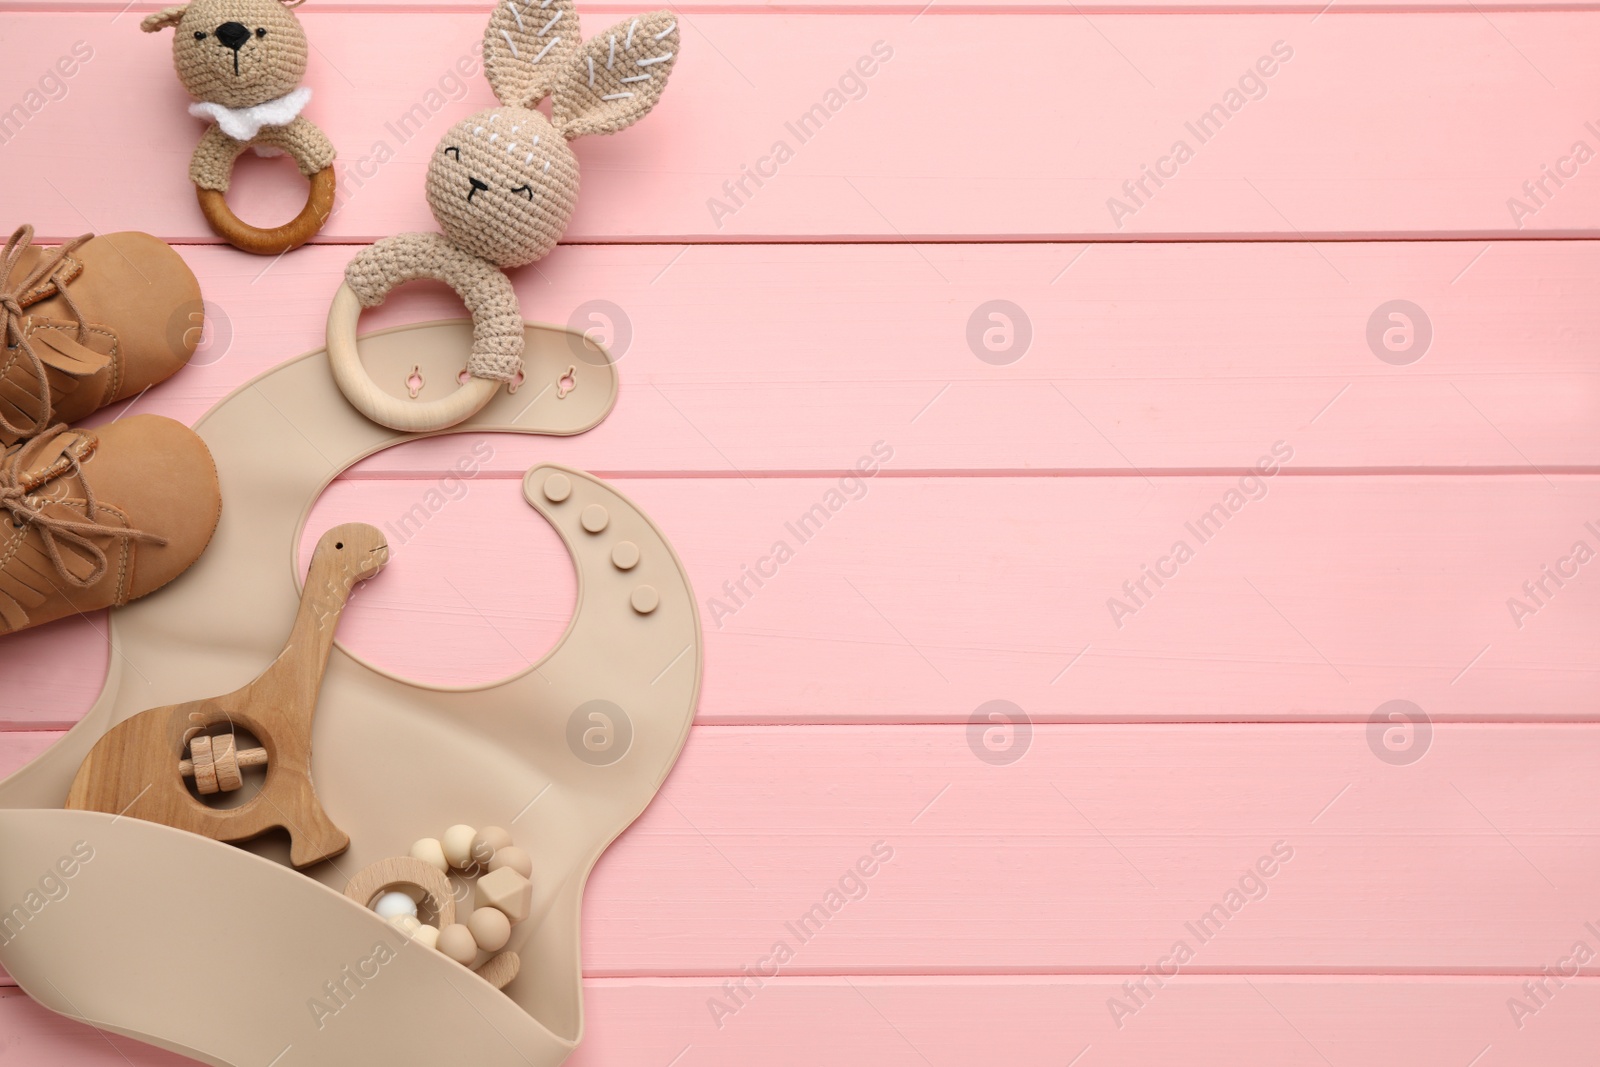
(17,496)
(11,293)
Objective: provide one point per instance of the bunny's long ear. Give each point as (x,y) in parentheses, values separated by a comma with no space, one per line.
(617,77)
(162,19)
(527,45)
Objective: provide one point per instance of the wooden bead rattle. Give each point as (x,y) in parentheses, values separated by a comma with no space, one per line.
(131,770)
(216,763)
(502,897)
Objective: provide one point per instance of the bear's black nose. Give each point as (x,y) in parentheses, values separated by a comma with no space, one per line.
(477,187)
(233,34)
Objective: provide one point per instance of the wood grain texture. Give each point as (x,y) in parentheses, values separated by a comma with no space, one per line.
(1029,1022)
(921,598)
(1141,358)
(279,239)
(1323,153)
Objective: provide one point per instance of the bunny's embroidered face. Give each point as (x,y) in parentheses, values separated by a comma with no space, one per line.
(502,185)
(237,53)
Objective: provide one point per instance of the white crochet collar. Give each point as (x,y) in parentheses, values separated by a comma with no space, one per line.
(243,123)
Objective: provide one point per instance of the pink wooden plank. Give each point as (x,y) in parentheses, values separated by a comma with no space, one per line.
(1093,851)
(1154,356)
(52,674)
(1323,153)
(1028,1022)
(1032,1022)
(1259,848)
(922,598)
(620,8)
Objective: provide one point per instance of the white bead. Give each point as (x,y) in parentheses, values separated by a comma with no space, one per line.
(394,904)
(429,851)
(457,842)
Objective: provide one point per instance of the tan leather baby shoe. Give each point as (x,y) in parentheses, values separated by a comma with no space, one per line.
(94,321)
(91,519)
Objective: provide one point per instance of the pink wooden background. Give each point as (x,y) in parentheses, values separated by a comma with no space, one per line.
(1170,746)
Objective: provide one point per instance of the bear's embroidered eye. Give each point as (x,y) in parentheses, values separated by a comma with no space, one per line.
(199,35)
(454,149)
(524,190)
(261,31)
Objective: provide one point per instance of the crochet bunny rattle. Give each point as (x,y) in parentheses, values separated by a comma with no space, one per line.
(243,60)
(502,185)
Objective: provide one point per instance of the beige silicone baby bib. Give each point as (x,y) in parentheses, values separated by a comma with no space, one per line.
(219,952)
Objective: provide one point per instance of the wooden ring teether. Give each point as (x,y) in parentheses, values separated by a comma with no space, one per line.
(501,898)
(403,870)
(279,239)
(384,408)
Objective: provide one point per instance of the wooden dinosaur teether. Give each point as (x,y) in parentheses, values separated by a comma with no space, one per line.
(137,769)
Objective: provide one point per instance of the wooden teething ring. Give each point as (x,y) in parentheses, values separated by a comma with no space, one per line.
(403,870)
(384,408)
(280,239)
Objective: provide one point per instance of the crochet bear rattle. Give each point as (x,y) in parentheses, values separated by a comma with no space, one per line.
(243,61)
(502,185)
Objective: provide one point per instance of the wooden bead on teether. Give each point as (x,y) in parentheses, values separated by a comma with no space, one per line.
(425,935)
(456,942)
(205,769)
(429,851)
(513,857)
(457,844)
(499,970)
(490,928)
